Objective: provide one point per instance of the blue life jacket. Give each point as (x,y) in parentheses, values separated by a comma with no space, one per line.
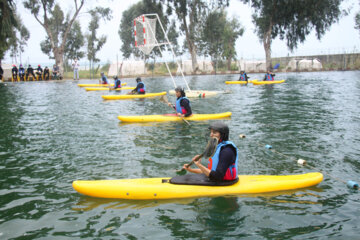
(104,80)
(21,70)
(178,107)
(117,83)
(269,77)
(141,90)
(232,171)
(243,77)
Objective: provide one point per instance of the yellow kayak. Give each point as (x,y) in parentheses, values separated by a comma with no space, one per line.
(107,88)
(173,117)
(240,82)
(130,96)
(97,85)
(161,188)
(267,82)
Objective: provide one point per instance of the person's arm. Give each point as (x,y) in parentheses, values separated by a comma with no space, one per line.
(198,163)
(227,157)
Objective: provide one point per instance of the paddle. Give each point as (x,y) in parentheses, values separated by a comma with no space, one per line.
(208,152)
(276,66)
(165,99)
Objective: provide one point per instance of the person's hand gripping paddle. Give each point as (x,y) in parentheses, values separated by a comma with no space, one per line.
(208,152)
(165,99)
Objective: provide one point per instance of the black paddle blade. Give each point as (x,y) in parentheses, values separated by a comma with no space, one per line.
(210,147)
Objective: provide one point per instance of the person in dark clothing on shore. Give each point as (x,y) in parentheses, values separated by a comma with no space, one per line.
(21,73)
(39,72)
(222,165)
(182,105)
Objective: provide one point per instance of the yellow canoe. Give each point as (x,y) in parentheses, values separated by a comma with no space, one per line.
(131,96)
(107,88)
(98,85)
(173,117)
(240,82)
(267,82)
(156,188)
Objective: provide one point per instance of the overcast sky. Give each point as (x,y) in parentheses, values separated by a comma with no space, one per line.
(341,38)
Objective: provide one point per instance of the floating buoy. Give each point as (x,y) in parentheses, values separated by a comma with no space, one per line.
(203,95)
(301,161)
(242,136)
(352,184)
(267,146)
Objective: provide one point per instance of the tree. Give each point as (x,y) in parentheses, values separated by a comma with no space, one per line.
(75,42)
(219,36)
(94,43)
(19,40)
(126,28)
(292,20)
(357,21)
(56,26)
(10,25)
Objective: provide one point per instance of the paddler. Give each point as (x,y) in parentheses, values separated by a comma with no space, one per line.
(243,76)
(223,165)
(269,76)
(117,82)
(104,79)
(140,87)
(30,71)
(182,105)
(14,72)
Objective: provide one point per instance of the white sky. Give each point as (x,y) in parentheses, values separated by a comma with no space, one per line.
(341,38)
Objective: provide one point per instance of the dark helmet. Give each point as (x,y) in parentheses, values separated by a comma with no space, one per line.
(222,128)
(181,90)
(138,79)
(115,77)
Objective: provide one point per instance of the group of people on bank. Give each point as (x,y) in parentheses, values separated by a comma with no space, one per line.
(22,74)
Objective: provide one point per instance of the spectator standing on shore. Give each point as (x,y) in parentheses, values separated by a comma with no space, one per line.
(76,66)
(14,72)
(46,73)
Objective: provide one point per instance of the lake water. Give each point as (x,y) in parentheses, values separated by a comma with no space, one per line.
(52,133)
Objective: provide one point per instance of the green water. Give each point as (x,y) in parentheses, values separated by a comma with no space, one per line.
(52,133)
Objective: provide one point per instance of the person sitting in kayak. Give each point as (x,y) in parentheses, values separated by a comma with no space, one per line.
(182,105)
(140,87)
(223,165)
(243,76)
(21,72)
(269,76)
(117,82)
(104,79)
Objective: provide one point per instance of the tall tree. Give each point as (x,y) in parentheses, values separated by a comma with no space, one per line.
(10,25)
(57,28)
(292,20)
(19,40)
(75,42)
(126,28)
(219,36)
(95,43)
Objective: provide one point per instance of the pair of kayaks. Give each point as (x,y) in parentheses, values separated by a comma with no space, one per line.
(162,188)
(255,82)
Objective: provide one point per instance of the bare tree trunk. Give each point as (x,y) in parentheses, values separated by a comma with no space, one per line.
(192,47)
(267,46)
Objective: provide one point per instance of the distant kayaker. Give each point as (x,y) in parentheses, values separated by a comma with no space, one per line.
(243,76)
(14,72)
(104,79)
(21,72)
(39,72)
(30,71)
(269,76)
(223,165)
(117,82)
(140,87)
(182,105)
(46,73)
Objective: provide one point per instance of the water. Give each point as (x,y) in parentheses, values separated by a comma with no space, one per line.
(54,132)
